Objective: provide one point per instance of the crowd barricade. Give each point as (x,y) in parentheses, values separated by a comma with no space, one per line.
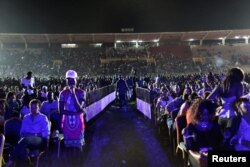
(145,103)
(97,100)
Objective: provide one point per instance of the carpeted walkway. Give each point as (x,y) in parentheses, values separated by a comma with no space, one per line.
(120,137)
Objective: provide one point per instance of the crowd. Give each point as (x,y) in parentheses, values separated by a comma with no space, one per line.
(214,105)
(51,62)
(213,109)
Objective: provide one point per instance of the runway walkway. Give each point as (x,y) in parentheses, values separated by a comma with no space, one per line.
(119,138)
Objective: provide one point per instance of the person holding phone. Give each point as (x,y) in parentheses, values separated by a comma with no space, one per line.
(71,106)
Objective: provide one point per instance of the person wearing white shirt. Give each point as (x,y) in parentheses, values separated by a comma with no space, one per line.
(28,83)
(35,131)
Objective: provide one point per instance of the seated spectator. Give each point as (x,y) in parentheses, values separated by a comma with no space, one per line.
(50,105)
(162,101)
(12,104)
(35,131)
(241,140)
(203,133)
(185,106)
(24,110)
(43,93)
(12,128)
(3,105)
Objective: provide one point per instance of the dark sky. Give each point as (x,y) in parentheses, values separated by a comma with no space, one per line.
(109,16)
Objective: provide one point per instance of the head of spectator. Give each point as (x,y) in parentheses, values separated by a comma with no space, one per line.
(234,76)
(29,75)
(71,76)
(16,114)
(210,79)
(44,88)
(241,139)
(3,106)
(50,96)
(25,100)
(198,85)
(193,96)
(2,93)
(11,96)
(34,106)
(120,77)
(176,89)
(187,91)
(202,113)
(243,108)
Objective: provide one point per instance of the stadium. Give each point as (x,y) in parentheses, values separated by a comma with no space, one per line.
(216,50)
(128,95)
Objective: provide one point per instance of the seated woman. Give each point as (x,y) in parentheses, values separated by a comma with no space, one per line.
(203,133)
(241,139)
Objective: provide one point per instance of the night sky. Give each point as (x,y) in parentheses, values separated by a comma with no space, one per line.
(109,16)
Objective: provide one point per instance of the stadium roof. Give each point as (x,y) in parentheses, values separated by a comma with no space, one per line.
(124,37)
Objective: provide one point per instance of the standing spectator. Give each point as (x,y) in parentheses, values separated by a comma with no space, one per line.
(121,90)
(71,105)
(28,84)
(229,92)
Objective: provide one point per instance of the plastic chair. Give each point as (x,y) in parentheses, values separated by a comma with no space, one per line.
(35,154)
(170,121)
(12,128)
(2,141)
(197,159)
(57,138)
(181,123)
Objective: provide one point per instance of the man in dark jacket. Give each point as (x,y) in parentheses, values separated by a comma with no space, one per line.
(121,91)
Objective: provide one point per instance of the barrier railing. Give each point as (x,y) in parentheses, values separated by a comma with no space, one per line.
(98,99)
(98,94)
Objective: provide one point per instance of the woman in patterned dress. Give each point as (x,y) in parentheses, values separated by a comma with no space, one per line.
(71,104)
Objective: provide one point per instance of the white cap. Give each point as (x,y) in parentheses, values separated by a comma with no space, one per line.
(71,74)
